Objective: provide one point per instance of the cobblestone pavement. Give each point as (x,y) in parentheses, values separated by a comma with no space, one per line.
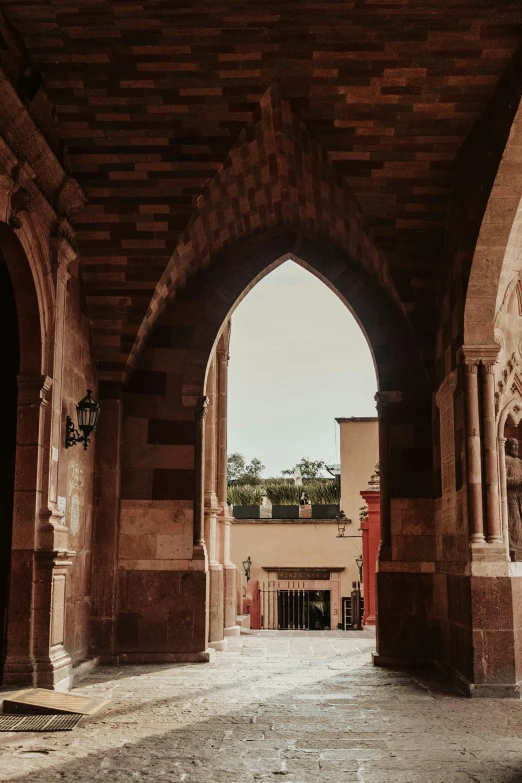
(305,708)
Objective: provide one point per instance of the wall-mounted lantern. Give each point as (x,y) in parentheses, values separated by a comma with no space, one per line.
(342,521)
(247,564)
(87,412)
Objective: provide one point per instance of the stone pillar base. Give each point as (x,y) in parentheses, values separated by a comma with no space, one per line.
(221,645)
(18,671)
(56,671)
(480,690)
(234,630)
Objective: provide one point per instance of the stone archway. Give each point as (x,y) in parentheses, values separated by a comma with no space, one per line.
(36,265)
(496,260)
(164,450)
(22,361)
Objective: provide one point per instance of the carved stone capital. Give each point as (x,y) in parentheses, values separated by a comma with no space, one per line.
(473,355)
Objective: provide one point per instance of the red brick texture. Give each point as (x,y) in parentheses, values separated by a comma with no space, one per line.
(150,98)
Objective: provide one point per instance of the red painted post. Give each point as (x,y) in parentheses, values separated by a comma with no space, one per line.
(252,603)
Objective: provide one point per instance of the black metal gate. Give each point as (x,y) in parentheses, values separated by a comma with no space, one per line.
(294,607)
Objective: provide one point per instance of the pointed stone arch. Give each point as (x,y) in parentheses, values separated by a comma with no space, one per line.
(275,177)
(395,354)
(498,253)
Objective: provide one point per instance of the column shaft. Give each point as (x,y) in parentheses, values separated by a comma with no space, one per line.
(474,456)
(199,472)
(384,463)
(222,357)
(490,456)
(210,434)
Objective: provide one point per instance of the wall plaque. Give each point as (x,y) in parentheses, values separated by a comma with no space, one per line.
(304,573)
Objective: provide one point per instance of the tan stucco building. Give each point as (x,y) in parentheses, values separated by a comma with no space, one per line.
(307,553)
(359,453)
(298,553)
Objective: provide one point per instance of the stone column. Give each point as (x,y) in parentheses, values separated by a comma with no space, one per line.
(53,666)
(63,255)
(216,605)
(106,520)
(384,399)
(493,532)
(229,569)
(503,491)
(474,461)
(210,438)
(199,478)
(222,418)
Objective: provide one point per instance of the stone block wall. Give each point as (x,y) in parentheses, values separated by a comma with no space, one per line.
(76,474)
(156,520)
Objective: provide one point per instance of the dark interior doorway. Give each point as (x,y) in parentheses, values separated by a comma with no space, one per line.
(10,362)
(305,610)
(320,610)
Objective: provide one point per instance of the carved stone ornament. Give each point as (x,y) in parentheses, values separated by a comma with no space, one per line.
(21,201)
(63,230)
(514,497)
(510,384)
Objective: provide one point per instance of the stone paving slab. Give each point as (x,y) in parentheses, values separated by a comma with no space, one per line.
(303,709)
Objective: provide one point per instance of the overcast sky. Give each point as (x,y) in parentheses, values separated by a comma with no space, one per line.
(298,360)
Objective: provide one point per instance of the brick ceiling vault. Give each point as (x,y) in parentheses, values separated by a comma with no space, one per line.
(151,95)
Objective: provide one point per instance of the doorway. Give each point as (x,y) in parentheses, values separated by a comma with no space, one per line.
(296,610)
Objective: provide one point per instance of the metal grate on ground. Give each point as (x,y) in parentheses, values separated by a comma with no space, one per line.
(63,722)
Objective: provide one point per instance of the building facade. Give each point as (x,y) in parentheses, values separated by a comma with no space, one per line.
(359,450)
(298,555)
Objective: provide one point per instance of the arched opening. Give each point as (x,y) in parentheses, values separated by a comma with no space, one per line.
(402,399)
(10,362)
(171,482)
(302,446)
(23,363)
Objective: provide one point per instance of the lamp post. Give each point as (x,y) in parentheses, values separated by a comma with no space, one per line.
(87,412)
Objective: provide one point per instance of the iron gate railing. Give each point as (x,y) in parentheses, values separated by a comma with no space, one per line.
(285,609)
(299,608)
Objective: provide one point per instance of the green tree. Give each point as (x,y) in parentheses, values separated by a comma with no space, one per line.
(310,469)
(239,471)
(253,471)
(235,466)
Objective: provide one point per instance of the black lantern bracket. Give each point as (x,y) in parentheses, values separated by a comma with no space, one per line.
(88,412)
